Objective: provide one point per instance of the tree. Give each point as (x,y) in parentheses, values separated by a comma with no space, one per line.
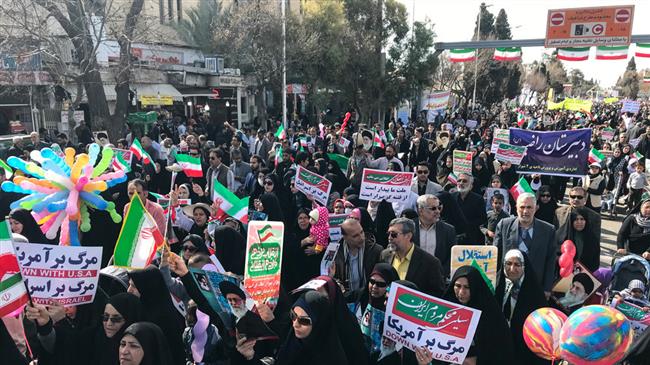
(556,74)
(629,82)
(501,26)
(202,24)
(50,27)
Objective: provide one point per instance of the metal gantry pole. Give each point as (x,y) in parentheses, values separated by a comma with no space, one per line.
(284,65)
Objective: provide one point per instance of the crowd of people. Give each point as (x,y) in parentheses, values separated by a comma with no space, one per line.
(407,242)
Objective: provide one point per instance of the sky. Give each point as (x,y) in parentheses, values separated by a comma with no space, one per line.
(527,18)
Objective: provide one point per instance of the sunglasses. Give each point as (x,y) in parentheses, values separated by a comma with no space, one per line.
(302,320)
(576,197)
(394,234)
(423,172)
(545,195)
(213,158)
(189,248)
(114,320)
(268,183)
(379,284)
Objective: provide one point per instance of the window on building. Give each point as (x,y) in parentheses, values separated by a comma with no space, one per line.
(243,105)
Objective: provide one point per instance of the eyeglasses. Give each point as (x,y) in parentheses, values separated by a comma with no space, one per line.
(393,234)
(302,320)
(379,284)
(433,209)
(576,197)
(545,196)
(114,320)
(189,248)
(268,183)
(423,172)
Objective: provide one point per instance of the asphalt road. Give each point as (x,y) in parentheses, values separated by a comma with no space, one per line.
(609,230)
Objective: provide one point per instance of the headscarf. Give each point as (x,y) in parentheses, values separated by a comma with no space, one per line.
(153,343)
(492,331)
(230,249)
(321,229)
(198,242)
(385,214)
(272,207)
(389,274)
(31,229)
(643,222)
(545,211)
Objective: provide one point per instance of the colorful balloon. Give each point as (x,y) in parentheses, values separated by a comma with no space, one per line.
(595,335)
(542,332)
(60,190)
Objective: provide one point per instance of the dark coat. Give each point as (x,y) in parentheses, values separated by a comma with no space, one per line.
(473,207)
(424,270)
(371,254)
(445,240)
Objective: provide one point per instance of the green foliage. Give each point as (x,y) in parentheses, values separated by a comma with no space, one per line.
(629,83)
(501,26)
(201,25)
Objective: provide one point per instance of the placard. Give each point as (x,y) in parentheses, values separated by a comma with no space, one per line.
(607,134)
(561,291)
(328,258)
(509,153)
(208,282)
(462,162)
(66,274)
(264,261)
(414,319)
(310,183)
(631,106)
(500,136)
(489,192)
(471,124)
(392,186)
(335,221)
(127,155)
(481,257)
(639,319)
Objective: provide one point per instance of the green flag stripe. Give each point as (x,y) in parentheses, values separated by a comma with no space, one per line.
(130,233)
(462,50)
(10,281)
(612,48)
(575,49)
(5,231)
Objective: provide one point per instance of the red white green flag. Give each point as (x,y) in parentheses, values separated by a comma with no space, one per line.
(521,119)
(519,188)
(229,204)
(453,178)
(119,163)
(139,238)
(573,54)
(642,50)
(281,134)
(139,152)
(595,156)
(611,52)
(646,79)
(13,295)
(462,55)
(191,165)
(507,53)
(377,142)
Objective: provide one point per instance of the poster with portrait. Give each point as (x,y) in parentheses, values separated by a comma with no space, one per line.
(576,289)
(490,192)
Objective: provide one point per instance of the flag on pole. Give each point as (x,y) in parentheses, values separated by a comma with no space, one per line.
(453,179)
(611,52)
(119,163)
(519,188)
(521,119)
(191,165)
(595,156)
(8,170)
(139,237)
(638,155)
(281,134)
(573,54)
(642,50)
(340,160)
(462,54)
(646,79)
(278,156)
(13,295)
(376,140)
(228,203)
(139,152)
(507,53)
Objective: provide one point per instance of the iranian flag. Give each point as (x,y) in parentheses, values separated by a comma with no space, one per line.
(611,53)
(376,141)
(340,160)
(638,155)
(119,163)
(453,178)
(595,156)
(191,165)
(573,54)
(229,204)
(521,119)
(507,54)
(642,50)
(139,152)
(462,55)
(519,188)
(13,295)
(139,238)
(646,79)
(281,134)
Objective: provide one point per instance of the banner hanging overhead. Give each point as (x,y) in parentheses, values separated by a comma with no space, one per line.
(585,27)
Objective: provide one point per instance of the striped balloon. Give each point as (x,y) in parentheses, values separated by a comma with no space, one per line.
(542,332)
(595,335)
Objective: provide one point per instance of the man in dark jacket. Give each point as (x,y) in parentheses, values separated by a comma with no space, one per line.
(473,207)
(355,258)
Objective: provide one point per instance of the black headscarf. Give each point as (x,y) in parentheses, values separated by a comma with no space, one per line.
(389,274)
(492,331)
(452,213)
(588,248)
(230,249)
(31,229)
(198,242)
(10,353)
(367,224)
(272,207)
(159,308)
(545,211)
(153,342)
(322,346)
(385,214)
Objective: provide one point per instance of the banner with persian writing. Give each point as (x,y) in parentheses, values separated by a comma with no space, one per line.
(559,153)
(481,257)
(393,186)
(263,261)
(509,153)
(66,274)
(335,221)
(462,161)
(639,319)
(500,136)
(310,183)
(414,319)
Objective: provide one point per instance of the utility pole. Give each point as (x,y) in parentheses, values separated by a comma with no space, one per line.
(284,65)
